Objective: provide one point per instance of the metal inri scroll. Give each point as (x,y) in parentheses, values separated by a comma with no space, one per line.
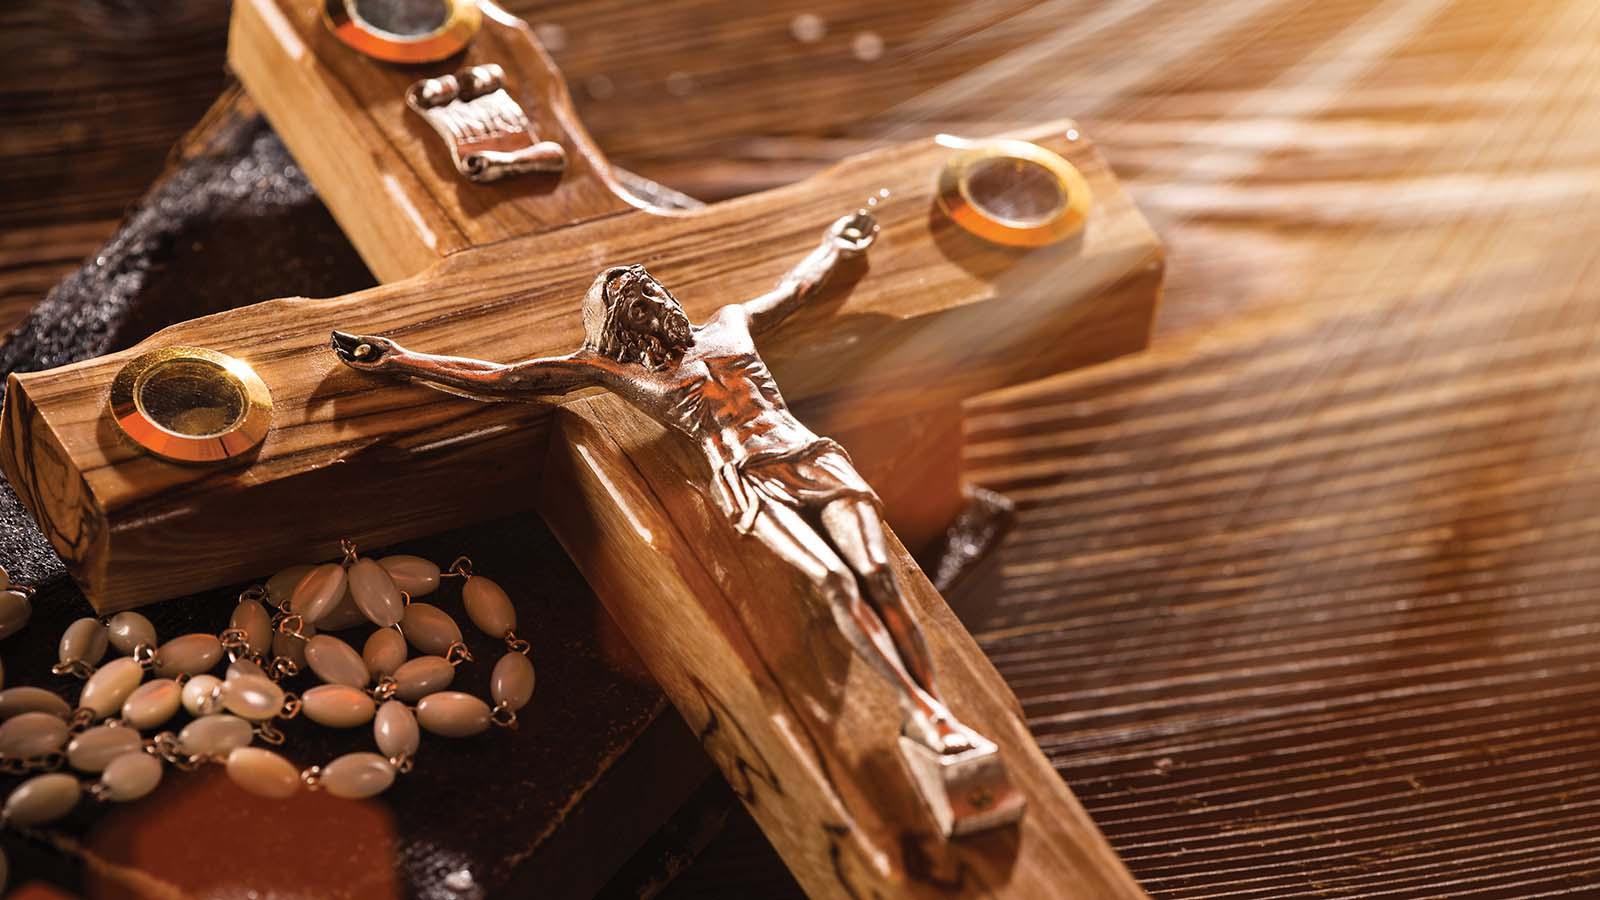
(488,134)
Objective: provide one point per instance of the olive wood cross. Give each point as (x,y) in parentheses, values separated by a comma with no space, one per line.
(882,361)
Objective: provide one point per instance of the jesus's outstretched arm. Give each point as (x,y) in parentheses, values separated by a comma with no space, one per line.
(475,378)
(847,238)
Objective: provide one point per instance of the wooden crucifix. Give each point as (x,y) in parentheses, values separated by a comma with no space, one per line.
(808,734)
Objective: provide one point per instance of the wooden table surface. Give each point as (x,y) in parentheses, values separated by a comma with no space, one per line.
(1301,602)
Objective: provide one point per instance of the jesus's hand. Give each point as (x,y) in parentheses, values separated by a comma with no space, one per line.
(369,354)
(851,235)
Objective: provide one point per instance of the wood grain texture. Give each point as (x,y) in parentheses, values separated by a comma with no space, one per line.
(1430,166)
(802,728)
(141,529)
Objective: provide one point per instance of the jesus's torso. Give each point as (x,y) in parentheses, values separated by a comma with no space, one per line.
(721,395)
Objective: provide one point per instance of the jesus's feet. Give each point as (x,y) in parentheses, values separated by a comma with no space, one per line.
(939,732)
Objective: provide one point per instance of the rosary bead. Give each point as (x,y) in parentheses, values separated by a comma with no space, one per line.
(215,735)
(384,652)
(253,697)
(32,734)
(413,574)
(93,749)
(190,654)
(42,799)
(108,688)
(337,706)
(395,730)
(429,628)
(489,607)
(422,676)
(345,614)
(318,592)
(251,618)
(84,640)
(292,648)
(357,776)
(336,662)
(375,592)
(127,630)
(280,587)
(243,666)
(22,699)
(131,776)
(197,695)
(511,683)
(151,704)
(453,714)
(14,612)
(263,773)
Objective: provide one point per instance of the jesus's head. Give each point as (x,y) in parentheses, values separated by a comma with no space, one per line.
(630,317)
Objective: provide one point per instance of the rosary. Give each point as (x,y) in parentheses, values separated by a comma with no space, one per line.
(399,694)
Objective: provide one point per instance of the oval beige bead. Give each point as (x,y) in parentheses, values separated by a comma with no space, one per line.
(14,612)
(93,749)
(422,676)
(108,688)
(42,799)
(453,714)
(244,666)
(280,587)
(384,652)
(489,607)
(215,735)
(413,574)
(292,648)
(511,682)
(429,628)
(131,776)
(84,640)
(375,593)
(395,731)
(336,662)
(23,699)
(32,734)
(357,776)
(127,630)
(318,592)
(252,618)
(197,695)
(263,773)
(337,706)
(345,614)
(189,654)
(253,697)
(151,704)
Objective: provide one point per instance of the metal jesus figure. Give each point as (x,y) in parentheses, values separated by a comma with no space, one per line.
(776,480)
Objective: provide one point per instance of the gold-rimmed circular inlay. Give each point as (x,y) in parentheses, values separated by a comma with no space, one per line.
(1015,193)
(404,31)
(191,405)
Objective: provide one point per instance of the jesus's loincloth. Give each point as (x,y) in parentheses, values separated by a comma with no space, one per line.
(806,477)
